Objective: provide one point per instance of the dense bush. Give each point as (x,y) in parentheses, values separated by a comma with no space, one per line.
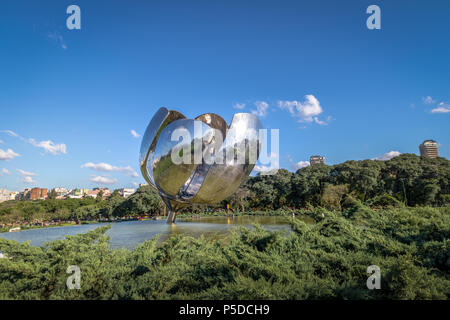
(12,211)
(324,260)
(408,178)
(144,201)
(384,201)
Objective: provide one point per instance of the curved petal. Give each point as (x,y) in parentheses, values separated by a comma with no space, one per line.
(221,179)
(214,121)
(160,120)
(169,177)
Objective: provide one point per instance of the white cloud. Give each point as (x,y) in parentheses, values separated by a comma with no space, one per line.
(26,173)
(135,184)
(265,170)
(103,180)
(319,122)
(1,141)
(297,165)
(428,100)
(239,106)
(441,108)
(9,132)
(6,171)
(8,154)
(300,164)
(49,146)
(273,164)
(261,108)
(306,111)
(135,134)
(29,180)
(106,167)
(388,156)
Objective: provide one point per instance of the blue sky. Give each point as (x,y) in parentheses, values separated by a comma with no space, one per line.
(317,73)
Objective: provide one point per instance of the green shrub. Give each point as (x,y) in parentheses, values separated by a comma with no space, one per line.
(324,260)
(384,201)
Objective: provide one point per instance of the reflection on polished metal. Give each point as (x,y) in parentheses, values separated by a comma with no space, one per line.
(218,173)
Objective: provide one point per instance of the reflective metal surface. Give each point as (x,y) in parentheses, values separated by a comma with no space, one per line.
(160,120)
(215,158)
(168,176)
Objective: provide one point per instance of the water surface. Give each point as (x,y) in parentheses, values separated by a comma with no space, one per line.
(129,234)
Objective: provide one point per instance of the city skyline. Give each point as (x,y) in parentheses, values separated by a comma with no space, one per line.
(59,193)
(75,103)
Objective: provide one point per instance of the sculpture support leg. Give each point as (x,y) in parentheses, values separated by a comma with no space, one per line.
(171,214)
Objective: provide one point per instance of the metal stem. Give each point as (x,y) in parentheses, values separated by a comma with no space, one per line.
(171,214)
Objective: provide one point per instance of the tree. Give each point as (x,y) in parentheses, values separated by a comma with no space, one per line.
(115,194)
(100,196)
(363,177)
(333,195)
(52,195)
(308,184)
(144,201)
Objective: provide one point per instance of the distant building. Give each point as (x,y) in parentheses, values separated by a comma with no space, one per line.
(316,160)
(38,193)
(78,193)
(5,195)
(429,148)
(13,195)
(106,192)
(93,193)
(35,193)
(60,191)
(126,192)
(23,195)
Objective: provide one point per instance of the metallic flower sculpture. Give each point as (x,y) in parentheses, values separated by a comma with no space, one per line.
(201,160)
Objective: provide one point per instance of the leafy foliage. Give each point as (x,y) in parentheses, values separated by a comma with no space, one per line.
(410,179)
(144,201)
(324,260)
(404,180)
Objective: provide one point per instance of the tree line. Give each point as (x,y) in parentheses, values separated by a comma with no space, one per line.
(406,180)
(145,201)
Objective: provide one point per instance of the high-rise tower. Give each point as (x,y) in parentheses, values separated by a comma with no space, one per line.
(316,160)
(429,149)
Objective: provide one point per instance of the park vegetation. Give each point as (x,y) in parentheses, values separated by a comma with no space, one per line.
(404,181)
(324,260)
(145,201)
(394,214)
